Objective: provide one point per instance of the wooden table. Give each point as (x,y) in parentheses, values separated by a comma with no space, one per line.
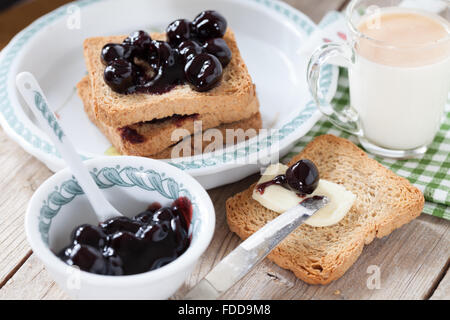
(413,260)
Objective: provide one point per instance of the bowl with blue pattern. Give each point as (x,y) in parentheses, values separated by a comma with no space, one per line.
(131,184)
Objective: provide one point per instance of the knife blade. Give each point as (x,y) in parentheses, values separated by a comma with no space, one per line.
(253,250)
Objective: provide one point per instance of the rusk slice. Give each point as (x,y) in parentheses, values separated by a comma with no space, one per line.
(229,101)
(253,122)
(319,255)
(157,136)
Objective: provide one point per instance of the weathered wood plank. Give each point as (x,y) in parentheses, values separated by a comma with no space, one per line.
(442,292)
(21,174)
(32,282)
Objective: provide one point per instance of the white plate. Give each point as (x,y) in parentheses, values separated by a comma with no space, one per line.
(270,35)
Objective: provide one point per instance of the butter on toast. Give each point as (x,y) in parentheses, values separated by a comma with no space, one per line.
(229,101)
(319,255)
(157,142)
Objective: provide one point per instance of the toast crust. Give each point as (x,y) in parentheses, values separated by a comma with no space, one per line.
(320,255)
(253,122)
(234,94)
(158,143)
(158,136)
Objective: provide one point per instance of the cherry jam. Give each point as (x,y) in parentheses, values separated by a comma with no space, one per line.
(302,177)
(142,65)
(131,135)
(127,246)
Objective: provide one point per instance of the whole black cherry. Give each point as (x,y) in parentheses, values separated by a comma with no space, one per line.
(86,258)
(139,39)
(219,48)
(119,75)
(189,49)
(112,51)
(204,71)
(89,235)
(178,31)
(210,24)
(303,177)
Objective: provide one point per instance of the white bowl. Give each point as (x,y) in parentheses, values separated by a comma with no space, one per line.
(130,184)
(271,36)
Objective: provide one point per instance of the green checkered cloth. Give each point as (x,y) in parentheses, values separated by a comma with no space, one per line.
(430,173)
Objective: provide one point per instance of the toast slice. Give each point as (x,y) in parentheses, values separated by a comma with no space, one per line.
(319,255)
(250,123)
(154,136)
(229,101)
(157,142)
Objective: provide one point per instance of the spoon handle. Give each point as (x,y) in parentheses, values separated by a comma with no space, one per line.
(36,100)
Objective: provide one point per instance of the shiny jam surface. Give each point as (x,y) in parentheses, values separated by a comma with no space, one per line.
(194,53)
(302,177)
(127,246)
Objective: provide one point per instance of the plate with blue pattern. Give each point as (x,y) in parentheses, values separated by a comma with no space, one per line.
(270,35)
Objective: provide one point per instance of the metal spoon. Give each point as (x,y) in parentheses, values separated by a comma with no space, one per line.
(35,98)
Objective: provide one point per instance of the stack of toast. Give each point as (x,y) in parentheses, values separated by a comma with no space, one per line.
(143,124)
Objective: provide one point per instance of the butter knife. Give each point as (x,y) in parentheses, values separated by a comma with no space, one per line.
(253,250)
